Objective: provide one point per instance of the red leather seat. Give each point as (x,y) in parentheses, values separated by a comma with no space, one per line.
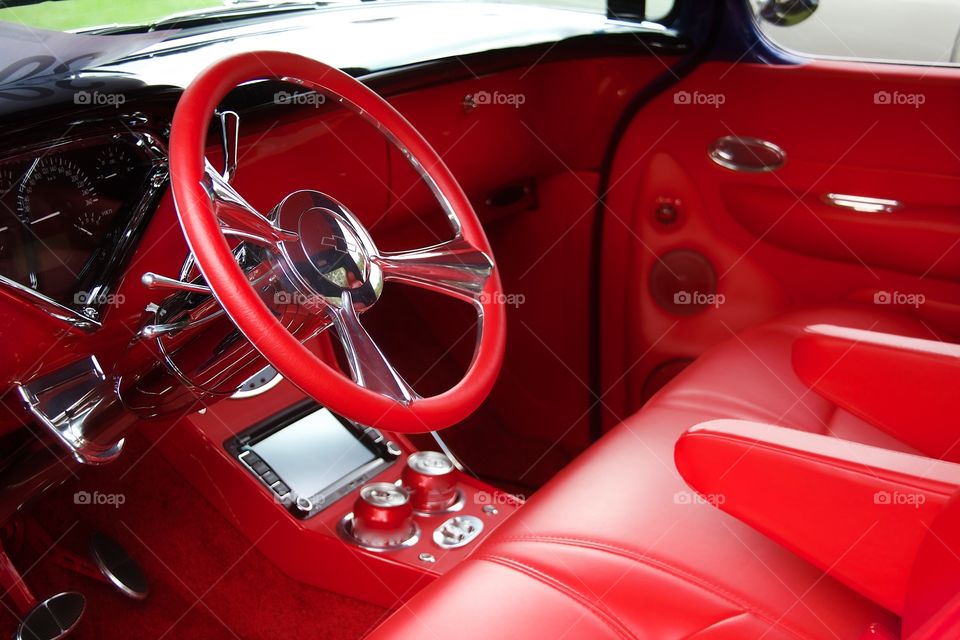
(618,546)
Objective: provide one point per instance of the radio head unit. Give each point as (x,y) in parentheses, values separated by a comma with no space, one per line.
(309,457)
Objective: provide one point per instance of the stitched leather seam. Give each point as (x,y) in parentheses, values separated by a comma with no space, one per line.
(666,567)
(609,619)
(693,635)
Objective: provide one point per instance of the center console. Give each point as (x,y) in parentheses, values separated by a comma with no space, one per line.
(338,505)
(309,458)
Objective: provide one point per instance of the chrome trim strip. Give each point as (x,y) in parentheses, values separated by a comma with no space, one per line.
(861,204)
(49,306)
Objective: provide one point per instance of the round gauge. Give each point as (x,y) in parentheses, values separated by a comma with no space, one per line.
(56,191)
(114,163)
(90,221)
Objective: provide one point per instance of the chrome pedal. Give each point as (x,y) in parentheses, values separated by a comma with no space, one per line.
(53,618)
(119,567)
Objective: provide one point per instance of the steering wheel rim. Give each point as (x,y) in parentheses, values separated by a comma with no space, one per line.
(202,196)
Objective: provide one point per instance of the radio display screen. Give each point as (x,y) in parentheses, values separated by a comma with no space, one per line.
(313,453)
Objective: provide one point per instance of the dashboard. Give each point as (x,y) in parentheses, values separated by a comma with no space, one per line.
(72,212)
(68,214)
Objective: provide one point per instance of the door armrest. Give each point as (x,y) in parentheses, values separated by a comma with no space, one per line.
(907,387)
(855,511)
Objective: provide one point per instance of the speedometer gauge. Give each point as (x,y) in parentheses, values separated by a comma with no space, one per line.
(71,212)
(57,193)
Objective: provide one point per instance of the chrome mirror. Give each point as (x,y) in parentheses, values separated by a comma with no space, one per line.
(786,13)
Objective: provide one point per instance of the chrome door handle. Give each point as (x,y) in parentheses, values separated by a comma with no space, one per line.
(742,153)
(862,204)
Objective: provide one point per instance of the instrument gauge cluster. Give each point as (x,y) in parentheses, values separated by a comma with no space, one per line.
(67,213)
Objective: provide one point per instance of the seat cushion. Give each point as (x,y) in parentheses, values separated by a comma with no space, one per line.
(617,546)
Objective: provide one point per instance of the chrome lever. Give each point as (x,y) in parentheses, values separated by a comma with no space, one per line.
(230,132)
(156,281)
(861,204)
(152,331)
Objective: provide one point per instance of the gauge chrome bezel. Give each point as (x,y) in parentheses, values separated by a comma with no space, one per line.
(154,149)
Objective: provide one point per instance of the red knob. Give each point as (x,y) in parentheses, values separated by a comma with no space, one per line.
(430,478)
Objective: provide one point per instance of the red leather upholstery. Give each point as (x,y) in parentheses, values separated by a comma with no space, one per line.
(933,593)
(617,545)
(856,511)
(905,386)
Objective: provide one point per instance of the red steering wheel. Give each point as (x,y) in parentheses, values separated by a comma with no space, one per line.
(319,265)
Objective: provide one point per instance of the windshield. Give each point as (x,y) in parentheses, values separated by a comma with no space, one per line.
(75,15)
(70,15)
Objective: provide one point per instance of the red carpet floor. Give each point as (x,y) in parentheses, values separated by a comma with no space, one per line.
(206,581)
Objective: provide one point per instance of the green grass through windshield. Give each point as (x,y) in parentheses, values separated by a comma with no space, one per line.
(66,15)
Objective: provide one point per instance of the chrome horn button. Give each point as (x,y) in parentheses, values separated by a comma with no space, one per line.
(333,248)
(334,254)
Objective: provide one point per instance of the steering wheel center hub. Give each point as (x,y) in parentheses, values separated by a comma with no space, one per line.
(333,248)
(334,255)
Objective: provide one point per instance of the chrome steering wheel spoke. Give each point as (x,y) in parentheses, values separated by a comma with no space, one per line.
(238,218)
(454,268)
(369,367)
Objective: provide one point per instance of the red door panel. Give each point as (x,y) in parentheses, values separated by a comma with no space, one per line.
(904,240)
(770,239)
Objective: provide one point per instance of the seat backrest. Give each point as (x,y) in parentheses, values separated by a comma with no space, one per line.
(837,504)
(932,608)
